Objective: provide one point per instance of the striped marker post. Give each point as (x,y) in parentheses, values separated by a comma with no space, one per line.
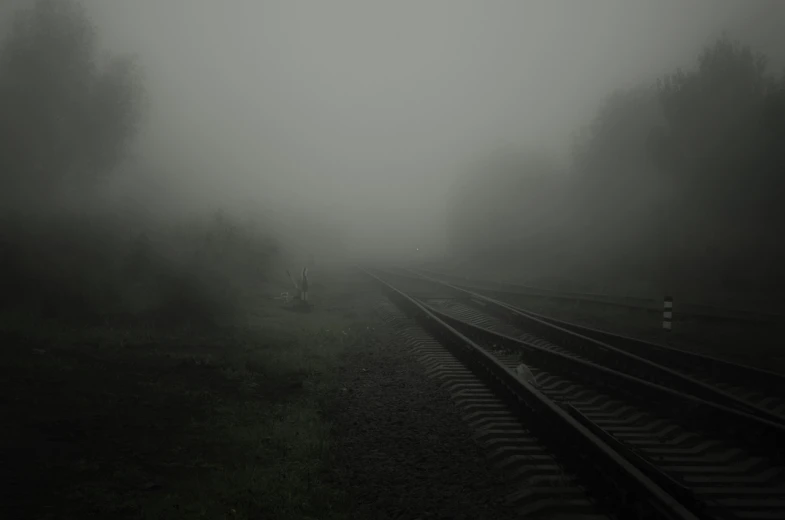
(667,313)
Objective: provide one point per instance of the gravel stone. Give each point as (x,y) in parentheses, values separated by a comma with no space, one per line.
(402,450)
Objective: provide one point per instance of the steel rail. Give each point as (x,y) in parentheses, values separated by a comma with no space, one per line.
(590,456)
(606,354)
(688,309)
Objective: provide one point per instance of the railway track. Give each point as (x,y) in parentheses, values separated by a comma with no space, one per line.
(617,436)
(753,390)
(693,311)
(543,489)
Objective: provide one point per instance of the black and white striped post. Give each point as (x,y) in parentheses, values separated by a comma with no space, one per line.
(667,313)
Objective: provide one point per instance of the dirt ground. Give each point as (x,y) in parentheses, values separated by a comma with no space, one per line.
(141,421)
(402,448)
(284,414)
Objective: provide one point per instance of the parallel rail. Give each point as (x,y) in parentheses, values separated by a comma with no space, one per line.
(753,391)
(690,310)
(755,386)
(604,470)
(568,375)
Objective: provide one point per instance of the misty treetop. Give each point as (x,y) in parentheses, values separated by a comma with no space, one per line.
(722,146)
(677,186)
(72,247)
(68,117)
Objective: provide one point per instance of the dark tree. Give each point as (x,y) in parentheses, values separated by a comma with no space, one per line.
(507,207)
(616,191)
(721,147)
(66,118)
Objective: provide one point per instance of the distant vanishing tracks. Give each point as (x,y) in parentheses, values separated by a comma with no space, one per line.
(600,432)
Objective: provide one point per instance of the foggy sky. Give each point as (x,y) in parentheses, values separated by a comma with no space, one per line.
(362,107)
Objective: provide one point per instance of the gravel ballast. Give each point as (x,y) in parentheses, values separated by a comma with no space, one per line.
(402,449)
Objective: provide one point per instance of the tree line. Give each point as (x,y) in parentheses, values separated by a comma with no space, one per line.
(70,247)
(674,187)
(69,115)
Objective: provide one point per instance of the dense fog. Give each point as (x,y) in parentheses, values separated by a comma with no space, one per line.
(553,141)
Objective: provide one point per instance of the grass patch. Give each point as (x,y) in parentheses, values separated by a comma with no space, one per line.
(137,421)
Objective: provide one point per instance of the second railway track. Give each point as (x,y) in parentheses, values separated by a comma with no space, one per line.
(714,460)
(749,389)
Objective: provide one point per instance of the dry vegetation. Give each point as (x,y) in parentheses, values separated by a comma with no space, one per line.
(146,370)
(178,420)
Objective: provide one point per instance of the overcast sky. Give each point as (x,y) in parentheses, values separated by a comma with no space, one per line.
(370,105)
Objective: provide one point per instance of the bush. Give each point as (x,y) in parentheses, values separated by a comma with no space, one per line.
(70,265)
(68,249)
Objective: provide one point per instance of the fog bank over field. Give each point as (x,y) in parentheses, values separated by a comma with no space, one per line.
(347,105)
(362,129)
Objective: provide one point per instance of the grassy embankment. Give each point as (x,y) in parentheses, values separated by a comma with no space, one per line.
(145,418)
